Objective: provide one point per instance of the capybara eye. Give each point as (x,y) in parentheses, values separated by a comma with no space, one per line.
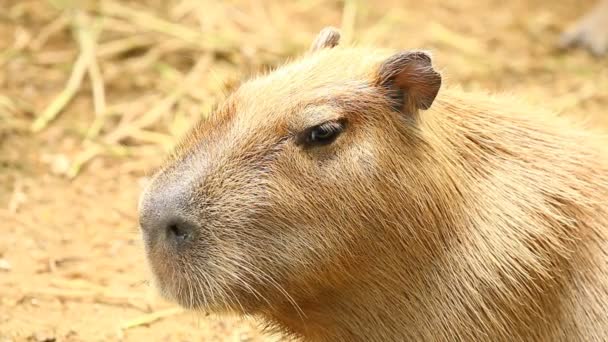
(323,134)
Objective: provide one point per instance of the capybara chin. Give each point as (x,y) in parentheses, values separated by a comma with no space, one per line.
(348,196)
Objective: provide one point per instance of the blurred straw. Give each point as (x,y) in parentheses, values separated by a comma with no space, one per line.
(150,318)
(216,41)
(85,36)
(349,15)
(160,108)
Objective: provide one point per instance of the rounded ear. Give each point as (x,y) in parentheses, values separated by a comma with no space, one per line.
(326,39)
(410,80)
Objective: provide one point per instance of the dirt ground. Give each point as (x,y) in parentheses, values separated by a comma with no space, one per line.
(72,266)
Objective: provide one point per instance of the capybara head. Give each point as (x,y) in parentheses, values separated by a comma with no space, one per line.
(286,191)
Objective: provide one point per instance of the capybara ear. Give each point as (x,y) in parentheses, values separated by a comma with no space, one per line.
(410,80)
(326,39)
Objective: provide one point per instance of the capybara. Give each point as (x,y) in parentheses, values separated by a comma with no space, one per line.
(348,196)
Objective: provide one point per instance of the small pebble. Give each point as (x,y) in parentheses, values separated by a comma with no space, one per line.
(5,265)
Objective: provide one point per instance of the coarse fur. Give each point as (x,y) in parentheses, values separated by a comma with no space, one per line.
(477,219)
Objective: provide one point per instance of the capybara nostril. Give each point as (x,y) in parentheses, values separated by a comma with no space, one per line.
(178,230)
(162,218)
(165,225)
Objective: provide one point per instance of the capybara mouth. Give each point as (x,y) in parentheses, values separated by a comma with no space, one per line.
(176,284)
(191,280)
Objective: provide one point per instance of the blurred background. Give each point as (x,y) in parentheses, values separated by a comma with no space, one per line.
(94,93)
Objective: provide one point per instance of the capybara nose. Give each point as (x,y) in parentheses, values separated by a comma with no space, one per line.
(176,230)
(162,220)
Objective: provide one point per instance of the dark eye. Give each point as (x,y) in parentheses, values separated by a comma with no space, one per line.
(324,134)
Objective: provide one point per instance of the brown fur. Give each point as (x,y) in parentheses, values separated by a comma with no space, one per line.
(479,219)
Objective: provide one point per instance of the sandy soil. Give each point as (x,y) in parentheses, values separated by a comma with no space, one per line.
(71,261)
